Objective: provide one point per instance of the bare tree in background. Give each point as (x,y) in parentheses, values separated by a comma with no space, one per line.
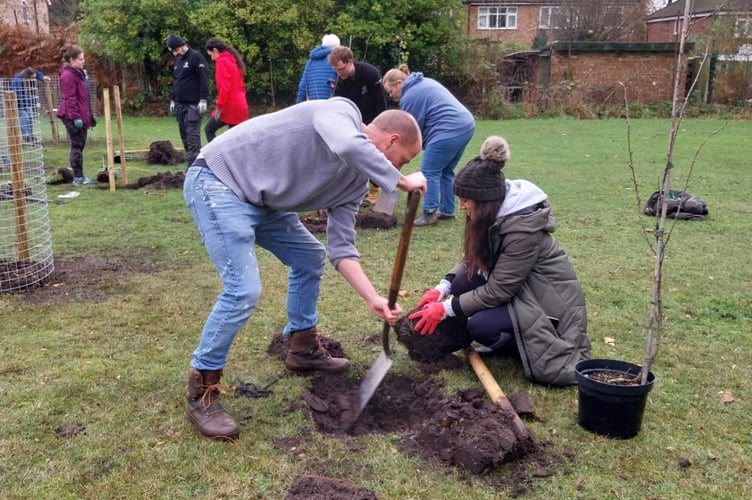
(61,12)
(599,20)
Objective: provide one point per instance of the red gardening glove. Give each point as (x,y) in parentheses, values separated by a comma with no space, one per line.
(432,295)
(429,318)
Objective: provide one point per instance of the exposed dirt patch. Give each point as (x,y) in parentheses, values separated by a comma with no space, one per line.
(87,279)
(323,488)
(315,222)
(464,432)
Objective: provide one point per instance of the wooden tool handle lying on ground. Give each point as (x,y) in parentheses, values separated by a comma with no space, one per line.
(493,390)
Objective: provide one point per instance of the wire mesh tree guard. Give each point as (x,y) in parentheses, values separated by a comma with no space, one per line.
(26,259)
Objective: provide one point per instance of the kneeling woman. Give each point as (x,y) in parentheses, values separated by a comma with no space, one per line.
(514,285)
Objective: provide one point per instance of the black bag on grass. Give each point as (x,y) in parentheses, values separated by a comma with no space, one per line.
(681,205)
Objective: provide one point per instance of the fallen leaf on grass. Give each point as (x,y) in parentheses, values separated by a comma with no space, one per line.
(609,340)
(727,397)
(403,293)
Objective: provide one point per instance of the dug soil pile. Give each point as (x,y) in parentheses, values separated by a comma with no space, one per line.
(464,432)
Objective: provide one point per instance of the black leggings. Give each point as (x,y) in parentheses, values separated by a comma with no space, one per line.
(77,138)
(489,327)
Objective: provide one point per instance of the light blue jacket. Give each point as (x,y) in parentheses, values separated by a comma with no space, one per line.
(440,115)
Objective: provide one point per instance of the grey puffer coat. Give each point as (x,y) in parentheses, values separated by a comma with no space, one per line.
(532,274)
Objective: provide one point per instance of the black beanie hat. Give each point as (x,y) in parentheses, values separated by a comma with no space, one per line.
(481,178)
(174,41)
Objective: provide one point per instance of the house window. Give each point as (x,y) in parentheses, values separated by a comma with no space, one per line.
(497,18)
(743,28)
(25,12)
(548,17)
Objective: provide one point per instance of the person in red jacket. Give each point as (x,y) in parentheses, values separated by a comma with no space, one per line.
(75,109)
(231,106)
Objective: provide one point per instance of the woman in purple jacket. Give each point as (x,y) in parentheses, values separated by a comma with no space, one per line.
(75,109)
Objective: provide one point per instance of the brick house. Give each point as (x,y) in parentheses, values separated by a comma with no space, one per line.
(725,29)
(592,69)
(32,14)
(522,21)
(664,25)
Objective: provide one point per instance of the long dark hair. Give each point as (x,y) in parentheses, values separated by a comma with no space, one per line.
(221,46)
(476,248)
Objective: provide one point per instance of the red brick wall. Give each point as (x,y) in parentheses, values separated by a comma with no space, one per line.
(528,17)
(668,31)
(648,76)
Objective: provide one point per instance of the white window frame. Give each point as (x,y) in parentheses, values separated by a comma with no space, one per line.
(25,12)
(547,16)
(497,18)
(743,28)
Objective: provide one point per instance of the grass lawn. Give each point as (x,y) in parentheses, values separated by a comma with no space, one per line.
(115,359)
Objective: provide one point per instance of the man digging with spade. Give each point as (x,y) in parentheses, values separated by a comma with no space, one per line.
(245,189)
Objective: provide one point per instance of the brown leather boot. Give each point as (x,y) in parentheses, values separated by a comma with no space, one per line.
(307,354)
(203,406)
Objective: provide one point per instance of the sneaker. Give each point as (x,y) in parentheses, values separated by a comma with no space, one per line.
(83,181)
(427,219)
(446,217)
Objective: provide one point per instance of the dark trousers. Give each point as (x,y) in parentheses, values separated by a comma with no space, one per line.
(488,326)
(77,138)
(189,122)
(211,127)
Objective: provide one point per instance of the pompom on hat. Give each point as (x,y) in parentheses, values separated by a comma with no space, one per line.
(330,40)
(481,178)
(174,42)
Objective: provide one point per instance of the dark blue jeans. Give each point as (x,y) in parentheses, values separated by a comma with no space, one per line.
(489,327)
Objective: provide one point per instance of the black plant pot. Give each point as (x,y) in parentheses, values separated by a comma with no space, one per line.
(609,409)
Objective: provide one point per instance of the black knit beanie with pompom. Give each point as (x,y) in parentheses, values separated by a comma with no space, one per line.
(481,179)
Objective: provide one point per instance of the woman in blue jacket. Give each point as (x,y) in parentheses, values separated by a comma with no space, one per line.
(447,127)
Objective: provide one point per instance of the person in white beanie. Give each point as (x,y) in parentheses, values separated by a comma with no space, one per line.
(318,77)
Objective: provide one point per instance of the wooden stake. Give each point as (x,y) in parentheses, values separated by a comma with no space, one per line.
(18,184)
(119,116)
(108,133)
(51,111)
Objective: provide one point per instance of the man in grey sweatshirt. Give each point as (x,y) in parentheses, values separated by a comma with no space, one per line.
(245,189)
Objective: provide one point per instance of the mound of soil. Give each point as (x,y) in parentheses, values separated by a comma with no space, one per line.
(162,180)
(163,153)
(465,432)
(315,222)
(450,336)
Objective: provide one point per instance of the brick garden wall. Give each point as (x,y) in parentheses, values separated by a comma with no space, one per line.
(647,76)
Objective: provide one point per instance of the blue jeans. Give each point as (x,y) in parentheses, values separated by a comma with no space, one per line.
(440,158)
(230,229)
(25,122)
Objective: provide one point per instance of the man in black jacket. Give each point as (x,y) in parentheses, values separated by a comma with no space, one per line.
(361,83)
(190,89)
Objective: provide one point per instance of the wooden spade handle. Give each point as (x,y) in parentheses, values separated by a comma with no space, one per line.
(413,199)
